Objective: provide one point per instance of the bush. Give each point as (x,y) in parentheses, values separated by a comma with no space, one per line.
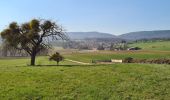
(151,61)
(138,48)
(128,60)
(56,57)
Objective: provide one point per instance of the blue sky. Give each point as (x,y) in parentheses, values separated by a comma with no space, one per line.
(111,16)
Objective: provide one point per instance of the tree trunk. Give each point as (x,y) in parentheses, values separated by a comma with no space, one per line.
(57,63)
(33,58)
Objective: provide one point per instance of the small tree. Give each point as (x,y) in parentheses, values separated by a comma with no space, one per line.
(56,57)
(32,36)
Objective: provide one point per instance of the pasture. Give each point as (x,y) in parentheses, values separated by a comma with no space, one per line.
(156,45)
(72,81)
(105,55)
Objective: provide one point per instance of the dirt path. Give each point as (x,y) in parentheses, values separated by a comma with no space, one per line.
(77,62)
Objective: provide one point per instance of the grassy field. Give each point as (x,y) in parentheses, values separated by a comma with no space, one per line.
(70,81)
(157,45)
(104,55)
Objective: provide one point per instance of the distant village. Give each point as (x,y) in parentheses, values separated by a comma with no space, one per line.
(89,44)
(99,44)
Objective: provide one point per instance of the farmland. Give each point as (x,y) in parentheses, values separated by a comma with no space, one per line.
(85,50)
(156,45)
(70,80)
(76,81)
(104,55)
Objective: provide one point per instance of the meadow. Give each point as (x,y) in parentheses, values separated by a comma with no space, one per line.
(156,45)
(72,81)
(106,55)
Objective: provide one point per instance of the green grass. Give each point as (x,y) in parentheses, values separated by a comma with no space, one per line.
(80,82)
(22,61)
(103,55)
(157,45)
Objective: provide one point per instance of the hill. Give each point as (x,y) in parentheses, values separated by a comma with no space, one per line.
(85,35)
(128,36)
(153,45)
(146,35)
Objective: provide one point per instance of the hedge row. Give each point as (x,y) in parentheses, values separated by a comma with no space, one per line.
(151,61)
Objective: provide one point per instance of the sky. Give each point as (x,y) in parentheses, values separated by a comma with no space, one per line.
(109,16)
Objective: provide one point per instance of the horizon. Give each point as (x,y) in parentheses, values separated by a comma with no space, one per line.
(115,34)
(111,16)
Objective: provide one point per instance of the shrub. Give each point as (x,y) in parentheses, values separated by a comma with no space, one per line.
(138,48)
(128,60)
(56,57)
(151,61)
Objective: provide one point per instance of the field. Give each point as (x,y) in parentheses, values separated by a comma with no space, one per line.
(156,45)
(72,81)
(104,55)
